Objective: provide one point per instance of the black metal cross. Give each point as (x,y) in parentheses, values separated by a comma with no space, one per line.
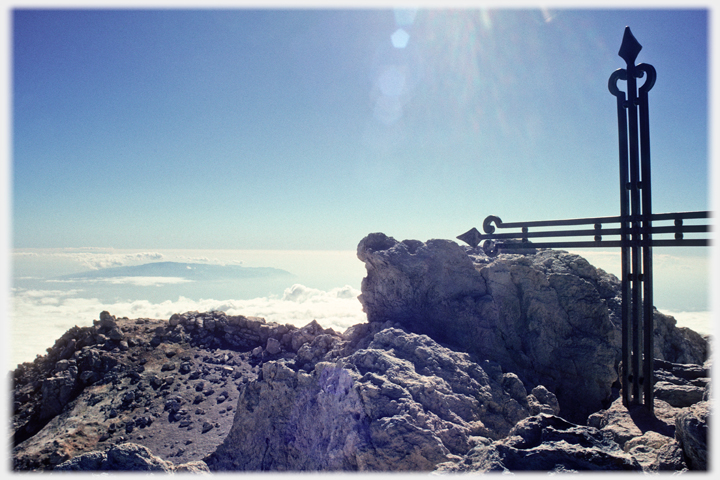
(633,230)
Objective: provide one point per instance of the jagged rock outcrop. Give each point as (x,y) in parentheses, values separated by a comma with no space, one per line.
(547,443)
(692,432)
(374,398)
(681,385)
(550,317)
(619,438)
(142,380)
(401,403)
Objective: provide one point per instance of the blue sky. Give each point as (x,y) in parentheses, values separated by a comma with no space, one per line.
(309,129)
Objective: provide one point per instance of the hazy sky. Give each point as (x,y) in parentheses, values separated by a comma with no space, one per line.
(309,129)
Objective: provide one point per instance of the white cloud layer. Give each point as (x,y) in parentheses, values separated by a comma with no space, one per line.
(95,261)
(39,317)
(137,281)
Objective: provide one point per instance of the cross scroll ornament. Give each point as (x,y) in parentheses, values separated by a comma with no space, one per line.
(632,231)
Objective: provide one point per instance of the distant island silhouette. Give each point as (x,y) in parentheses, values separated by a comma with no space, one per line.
(191,271)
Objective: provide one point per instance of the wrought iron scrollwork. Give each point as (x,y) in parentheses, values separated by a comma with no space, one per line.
(489,229)
(651,76)
(490,248)
(617,75)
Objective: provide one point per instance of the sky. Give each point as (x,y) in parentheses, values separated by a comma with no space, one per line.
(310,128)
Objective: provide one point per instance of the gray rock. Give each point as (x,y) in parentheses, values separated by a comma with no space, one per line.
(404,403)
(679,395)
(62,365)
(107,321)
(544,316)
(84,462)
(57,391)
(125,457)
(678,345)
(197,466)
(115,333)
(670,457)
(656,452)
(541,400)
(549,317)
(624,424)
(546,443)
(273,346)
(383,396)
(692,432)
(305,334)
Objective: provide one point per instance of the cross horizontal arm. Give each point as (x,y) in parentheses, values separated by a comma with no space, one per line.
(701,242)
(588,221)
(627,225)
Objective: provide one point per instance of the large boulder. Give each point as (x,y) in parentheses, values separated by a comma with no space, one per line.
(402,403)
(125,457)
(548,316)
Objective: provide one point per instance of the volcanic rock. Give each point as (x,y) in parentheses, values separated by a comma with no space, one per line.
(549,317)
(87,394)
(546,443)
(692,432)
(128,457)
(402,403)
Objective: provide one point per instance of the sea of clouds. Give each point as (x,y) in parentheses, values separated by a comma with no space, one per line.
(325,288)
(42,316)
(44,305)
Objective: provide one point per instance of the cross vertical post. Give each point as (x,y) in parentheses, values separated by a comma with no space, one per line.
(636,224)
(621,74)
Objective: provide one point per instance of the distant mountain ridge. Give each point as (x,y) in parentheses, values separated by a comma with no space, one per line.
(193,271)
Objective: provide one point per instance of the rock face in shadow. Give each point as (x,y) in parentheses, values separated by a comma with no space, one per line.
(692,431)
(547,443)
(619,438)
(550,317)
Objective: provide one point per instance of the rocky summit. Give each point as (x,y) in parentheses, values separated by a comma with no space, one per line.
(467,364)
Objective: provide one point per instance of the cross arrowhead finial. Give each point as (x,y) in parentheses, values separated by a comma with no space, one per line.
(471,237)
(629,48)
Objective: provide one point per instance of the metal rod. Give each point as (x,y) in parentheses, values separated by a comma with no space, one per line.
(593,220)
(648,325)
(594,232)
(603,243)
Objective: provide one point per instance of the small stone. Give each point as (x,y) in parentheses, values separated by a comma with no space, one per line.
(273,346)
